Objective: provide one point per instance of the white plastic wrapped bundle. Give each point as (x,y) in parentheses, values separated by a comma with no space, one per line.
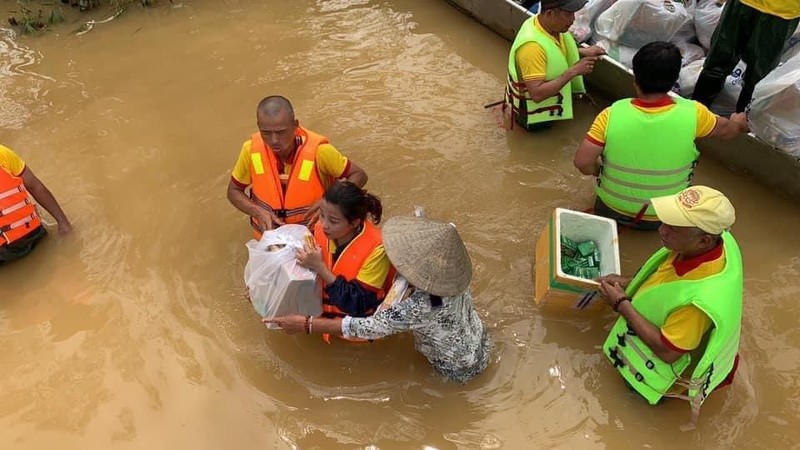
(775,111)
(688,77)
(277,284)
(686,32)
(634,23)
(706,19)
(585,17)
(725,103)
(792,47)
(620,53)
(689,52)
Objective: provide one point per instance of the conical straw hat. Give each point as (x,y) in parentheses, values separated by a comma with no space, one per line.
(429,254)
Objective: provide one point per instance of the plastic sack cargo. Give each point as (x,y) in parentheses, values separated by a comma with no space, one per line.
(706,18)
(792,47)
(585,17)
(277,284)
(634,23)
(620,53)
(775,111)
(725,103)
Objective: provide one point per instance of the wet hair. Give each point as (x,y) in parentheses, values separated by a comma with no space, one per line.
(272,106)
(656,67)
(354,202)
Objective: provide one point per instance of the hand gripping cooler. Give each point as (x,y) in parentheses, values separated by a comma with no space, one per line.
(554,289)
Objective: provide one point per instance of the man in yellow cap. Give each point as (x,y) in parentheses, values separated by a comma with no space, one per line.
(686,299)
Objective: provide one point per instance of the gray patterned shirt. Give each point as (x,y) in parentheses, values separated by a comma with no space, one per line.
(451,336)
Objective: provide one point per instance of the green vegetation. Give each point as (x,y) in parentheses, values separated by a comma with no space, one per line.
(32,16)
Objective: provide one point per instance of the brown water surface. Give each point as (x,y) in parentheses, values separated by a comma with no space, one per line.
(134,333)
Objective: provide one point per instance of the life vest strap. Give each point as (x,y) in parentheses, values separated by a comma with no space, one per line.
(647,187)
(15,207)
(12,191)
(627,169)
(22,222)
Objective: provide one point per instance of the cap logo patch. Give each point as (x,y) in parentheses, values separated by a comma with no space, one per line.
(689,198)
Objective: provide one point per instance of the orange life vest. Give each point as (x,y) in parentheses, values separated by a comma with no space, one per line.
(305,185)
(18,215)
(350,261)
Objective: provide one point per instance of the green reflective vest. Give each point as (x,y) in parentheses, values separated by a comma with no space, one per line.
(557,107)
(646,155)
(719,296)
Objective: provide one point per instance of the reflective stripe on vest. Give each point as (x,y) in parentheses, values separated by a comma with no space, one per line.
(719,296)
(18,216)
(350,261)
(305,185)
(557,107)
(646,155)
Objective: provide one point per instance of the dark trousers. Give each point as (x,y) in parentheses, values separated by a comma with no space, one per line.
(21,247)
(747,34)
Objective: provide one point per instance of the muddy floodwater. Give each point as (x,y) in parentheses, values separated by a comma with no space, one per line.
(134,331)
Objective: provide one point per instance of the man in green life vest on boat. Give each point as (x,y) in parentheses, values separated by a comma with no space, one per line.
(644,147)
(680,315)
(546,67)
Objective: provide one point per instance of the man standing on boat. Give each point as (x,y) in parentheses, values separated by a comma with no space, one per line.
(754,31)
(687,298)
(644,147)
(545,66)
(287,168)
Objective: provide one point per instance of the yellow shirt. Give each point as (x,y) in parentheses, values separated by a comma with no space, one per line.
(785,9)
(11,162)
(706,120)
(329,161)
(531,58)
(375,269)
(684,328)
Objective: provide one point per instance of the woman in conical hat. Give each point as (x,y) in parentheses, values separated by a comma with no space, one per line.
(430,255)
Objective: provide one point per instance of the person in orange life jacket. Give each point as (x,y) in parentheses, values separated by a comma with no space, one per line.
(20,225)
(694,223)
(637,138)
(555,18)
(349,256)
(287,168)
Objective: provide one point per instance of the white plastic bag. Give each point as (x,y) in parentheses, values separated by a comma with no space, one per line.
(634,23)
(725,103)
(775,110)
(620,53)
(396,293)
(277,284)
(689,52)
(688,77)
(706,19)
(585,17)
(792,47)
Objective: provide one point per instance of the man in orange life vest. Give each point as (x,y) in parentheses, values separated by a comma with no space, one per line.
(287,168)
(20,226)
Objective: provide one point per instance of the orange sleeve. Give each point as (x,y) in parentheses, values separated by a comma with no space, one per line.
(706,120)
(597,132)
(532,61)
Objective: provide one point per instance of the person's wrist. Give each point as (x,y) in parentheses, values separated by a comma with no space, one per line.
(620,301)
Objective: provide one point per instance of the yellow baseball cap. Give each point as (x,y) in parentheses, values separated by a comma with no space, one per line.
(696,206)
